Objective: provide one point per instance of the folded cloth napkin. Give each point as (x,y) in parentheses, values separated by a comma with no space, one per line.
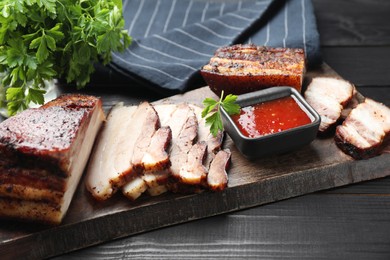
(173,39)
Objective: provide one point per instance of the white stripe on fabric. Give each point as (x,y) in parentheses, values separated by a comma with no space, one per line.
(222,7)
(266,2)
(187,13)
(204,12)
(285,24)
(148,67)
(160,52)
(240,17)
(239,5)
(226,25)
(213,32)
(152,19)
(196,38)
(169,16)
(303,25)
(268,33)
(160,62)
(181,46)
(135,17)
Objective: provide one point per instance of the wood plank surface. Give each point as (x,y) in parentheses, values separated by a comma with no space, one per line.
(318,166)
(351,222)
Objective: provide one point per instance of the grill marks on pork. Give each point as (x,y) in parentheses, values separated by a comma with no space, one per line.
(329,96)
(124,141)
(43,153)
(365,131)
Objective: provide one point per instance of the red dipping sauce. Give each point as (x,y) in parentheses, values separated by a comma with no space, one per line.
(270,117)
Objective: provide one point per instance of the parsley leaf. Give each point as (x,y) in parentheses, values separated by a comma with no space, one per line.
(212,111)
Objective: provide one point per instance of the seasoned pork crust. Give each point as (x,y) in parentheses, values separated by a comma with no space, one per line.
(244,68)
(43,152)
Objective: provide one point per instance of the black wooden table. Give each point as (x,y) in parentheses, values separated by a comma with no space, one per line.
(351,222)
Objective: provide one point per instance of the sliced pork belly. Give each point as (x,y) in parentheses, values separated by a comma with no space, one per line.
(329,96)
(43,153)
(194,167)
(193,171)
(154,162)
(365,130)
(118,154)
(217,178)
(214,143)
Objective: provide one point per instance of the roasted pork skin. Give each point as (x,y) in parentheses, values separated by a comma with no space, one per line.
(245,68)
(43,152)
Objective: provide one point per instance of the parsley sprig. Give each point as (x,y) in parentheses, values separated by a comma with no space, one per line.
(47,39)
(212,111)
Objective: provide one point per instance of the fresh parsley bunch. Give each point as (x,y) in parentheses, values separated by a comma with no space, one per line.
(48,39)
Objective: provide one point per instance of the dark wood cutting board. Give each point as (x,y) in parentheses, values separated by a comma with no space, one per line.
(318,166)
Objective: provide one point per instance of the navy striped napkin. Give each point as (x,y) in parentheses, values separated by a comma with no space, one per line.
(173,39)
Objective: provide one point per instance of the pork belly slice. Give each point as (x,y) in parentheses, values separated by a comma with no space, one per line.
(214,143)
(182,120)
(154,164)
(193,171)
(329,96)
(194,167)
(365,131)
(217,178)
(43,153)
(117,157)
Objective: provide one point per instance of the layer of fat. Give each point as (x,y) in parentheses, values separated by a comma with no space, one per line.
(380,113)
(110,157)
(328,108)
(338,89)
(365,124)
(134,188)
(80,155)
(30,193)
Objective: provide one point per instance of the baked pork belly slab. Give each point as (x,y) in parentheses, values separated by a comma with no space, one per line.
(245,68)
(329,96)
(365,131)
(130,139)
(43,153)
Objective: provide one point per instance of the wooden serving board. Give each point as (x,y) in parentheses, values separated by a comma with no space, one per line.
(318,166)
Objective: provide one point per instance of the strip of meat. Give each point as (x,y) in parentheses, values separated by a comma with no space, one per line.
(182,120)
(48,148)
(329,96)
(156,157)
(365,130)
(154,163)
(217,179)
(193,171)
(123,141)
